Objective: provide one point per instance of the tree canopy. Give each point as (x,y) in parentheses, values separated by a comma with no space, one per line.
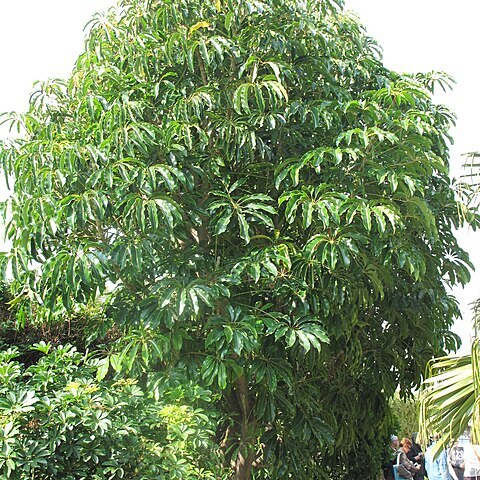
(256,201)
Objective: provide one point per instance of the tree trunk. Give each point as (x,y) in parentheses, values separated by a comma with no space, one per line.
(246,450)
(243,465)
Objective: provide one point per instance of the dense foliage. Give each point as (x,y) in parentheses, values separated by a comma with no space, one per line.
(256,199)
(59,421)
(405,412)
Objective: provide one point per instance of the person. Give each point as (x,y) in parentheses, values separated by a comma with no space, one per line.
(407,468)
(437,468)
(472,462)
(391,459)
(456,462)
(415,454)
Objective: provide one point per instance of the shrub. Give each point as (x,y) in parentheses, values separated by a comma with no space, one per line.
(57,421)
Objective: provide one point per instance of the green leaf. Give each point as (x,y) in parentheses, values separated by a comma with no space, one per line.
(270,267)
(130,355)
(204,52)
(290,338)
(223,222)
(380,219)
(366,217)
(244,228)
(116,362)
(307,214)
(228,21)
(313,244)
(304,340)
(102,369)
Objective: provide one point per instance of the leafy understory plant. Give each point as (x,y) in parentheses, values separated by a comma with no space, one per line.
(58,421)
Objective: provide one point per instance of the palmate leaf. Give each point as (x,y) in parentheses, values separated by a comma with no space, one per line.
(450,398)
(307,333)
(245,210)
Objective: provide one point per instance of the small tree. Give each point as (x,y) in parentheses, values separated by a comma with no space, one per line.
(257,199)
(405,412)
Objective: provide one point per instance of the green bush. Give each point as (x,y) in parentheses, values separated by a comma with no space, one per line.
(22,325)
(57,421)
(405,412)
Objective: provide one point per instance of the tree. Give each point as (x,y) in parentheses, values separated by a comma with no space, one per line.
(256,200)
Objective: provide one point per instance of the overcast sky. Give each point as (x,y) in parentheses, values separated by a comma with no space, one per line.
(425,35)
(41,39)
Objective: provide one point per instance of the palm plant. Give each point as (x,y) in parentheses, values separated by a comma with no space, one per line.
(450,397)
(472,169)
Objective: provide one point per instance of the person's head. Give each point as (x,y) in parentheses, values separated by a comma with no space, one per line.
(414,437)
(406,444)
(394,441)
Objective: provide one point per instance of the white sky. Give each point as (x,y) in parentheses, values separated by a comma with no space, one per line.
(425,35)
(41,39)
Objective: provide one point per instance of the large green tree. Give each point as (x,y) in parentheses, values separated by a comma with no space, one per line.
(256,200)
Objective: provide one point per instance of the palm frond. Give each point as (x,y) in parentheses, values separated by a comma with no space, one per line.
(476,317)
(476,383)
(450,398)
